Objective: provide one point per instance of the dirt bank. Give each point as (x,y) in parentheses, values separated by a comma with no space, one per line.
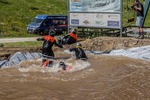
(99,43)
(110,43)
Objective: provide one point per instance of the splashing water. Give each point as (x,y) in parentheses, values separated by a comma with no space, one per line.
(101,78)
(75,65)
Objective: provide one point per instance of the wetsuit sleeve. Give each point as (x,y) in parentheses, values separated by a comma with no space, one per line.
(66,36)
(40,39)
(58,44)
(72,49)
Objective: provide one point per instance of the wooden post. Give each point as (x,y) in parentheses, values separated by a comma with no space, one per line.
(146,8)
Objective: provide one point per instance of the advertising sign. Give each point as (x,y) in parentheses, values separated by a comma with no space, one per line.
(94,5)
(95,20)
(95,13)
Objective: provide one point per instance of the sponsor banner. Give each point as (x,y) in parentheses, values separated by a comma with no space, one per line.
(95,5)
(100,20)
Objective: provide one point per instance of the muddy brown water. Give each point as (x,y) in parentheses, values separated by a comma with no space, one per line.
(107,78)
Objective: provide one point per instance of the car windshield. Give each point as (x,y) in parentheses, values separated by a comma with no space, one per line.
(37,21)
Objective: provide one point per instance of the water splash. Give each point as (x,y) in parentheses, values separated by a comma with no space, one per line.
(75,65)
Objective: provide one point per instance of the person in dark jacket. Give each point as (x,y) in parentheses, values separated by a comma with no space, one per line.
(138,7)
(47,51)
(64,66)
(79,52)
(69,38)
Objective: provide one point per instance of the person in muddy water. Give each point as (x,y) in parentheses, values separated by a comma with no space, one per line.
(47,51)
(79,52)
(138,7)
(64,66)
(69,38)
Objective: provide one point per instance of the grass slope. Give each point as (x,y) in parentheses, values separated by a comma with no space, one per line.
(15,15)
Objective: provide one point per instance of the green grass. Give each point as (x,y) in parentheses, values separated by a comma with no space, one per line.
(24,44)
(15,15)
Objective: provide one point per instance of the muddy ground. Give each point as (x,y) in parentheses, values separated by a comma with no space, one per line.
(99,43)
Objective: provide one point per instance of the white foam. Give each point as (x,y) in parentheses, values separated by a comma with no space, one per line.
(75,65)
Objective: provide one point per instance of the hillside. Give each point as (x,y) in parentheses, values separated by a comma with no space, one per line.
(16,14)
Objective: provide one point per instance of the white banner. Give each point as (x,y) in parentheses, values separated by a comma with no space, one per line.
(95,5)
(95,20)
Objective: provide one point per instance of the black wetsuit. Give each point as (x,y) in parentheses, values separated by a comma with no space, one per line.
(68,39)
(79,52)
(48,43)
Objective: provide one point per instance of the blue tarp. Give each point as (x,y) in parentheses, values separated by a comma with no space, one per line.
(136,53)
(19,57)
